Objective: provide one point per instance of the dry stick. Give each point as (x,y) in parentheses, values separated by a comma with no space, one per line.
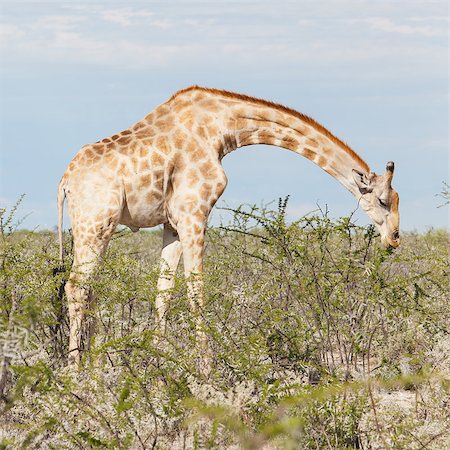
(6,359)
(128,418)
(144,391)
(326,438)
(422,445)
(433,438)
(102,416)
(315,442)
(369,388)
(77,442)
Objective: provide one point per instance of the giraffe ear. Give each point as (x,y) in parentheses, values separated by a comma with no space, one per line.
(362,181)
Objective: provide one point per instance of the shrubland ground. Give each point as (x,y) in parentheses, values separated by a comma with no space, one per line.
(318,339)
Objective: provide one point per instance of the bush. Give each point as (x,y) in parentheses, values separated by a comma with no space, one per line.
(312,328)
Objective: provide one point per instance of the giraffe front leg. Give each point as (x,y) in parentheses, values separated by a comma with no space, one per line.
(170,257)
(192,235)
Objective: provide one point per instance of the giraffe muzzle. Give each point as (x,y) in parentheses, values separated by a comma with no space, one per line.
(394,241)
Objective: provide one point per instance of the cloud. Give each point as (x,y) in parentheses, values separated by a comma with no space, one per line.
(10,32)
(388,26)
(430,19)
(123,16)
(163,24)
(76,47)
(57,22)
(102,35)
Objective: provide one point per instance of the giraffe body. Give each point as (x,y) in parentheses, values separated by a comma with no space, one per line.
(166,169)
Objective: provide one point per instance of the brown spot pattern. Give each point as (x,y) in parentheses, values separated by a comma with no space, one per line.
(144,166)
(322,161)
(308,153)
(179,139)
(139,126)
(157,159)
(124,140)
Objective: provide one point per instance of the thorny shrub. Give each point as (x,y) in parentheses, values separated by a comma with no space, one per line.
(312,327)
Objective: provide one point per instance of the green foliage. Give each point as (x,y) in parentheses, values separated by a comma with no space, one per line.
(318,338)
(445,194)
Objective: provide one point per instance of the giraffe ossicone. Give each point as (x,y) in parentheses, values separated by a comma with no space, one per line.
(166,169)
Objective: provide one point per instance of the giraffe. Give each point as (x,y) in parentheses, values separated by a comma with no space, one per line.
(166,169)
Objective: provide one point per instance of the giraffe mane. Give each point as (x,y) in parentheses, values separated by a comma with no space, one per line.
(278,106)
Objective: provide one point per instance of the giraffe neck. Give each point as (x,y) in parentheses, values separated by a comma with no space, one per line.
(240,120)
(266,123)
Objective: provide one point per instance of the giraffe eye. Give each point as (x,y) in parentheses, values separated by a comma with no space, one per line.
(382,203)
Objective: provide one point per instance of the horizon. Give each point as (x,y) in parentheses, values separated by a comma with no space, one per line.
(216,219)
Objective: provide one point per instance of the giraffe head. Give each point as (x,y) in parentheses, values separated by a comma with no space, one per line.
(380,202)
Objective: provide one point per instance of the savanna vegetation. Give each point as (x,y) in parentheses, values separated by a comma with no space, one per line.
(319,339)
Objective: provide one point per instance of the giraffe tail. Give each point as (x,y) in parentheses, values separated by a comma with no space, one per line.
(61,198)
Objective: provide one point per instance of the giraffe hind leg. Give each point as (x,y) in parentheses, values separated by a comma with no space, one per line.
(87,255)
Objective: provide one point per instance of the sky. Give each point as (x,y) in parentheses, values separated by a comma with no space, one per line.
(374,73)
